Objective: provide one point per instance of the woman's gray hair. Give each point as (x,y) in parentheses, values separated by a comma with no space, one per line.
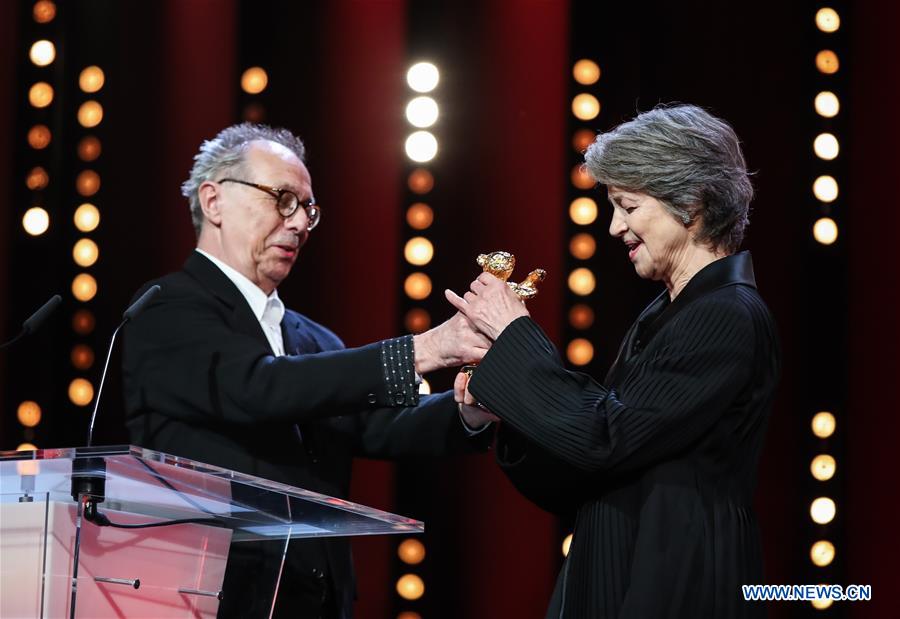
(687,159)
(225,153)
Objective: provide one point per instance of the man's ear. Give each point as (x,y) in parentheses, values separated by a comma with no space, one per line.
(208,193)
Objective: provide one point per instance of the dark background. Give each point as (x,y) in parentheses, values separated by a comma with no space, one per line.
(336,77)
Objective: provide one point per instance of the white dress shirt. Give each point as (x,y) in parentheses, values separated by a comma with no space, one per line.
(269,310)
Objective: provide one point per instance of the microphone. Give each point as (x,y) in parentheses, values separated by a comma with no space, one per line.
(138,306)
(133,310)
(34,322)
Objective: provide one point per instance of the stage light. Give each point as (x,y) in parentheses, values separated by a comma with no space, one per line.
(418,251)
(36,221)
(827,62)
(585,106)
(580,351)
(410,587)
(417,286)
(827,104)
(825,188)
(424,387)
(26,447)
(826,146)
(586,72)
(582,246)
(81,392)
(417,320)
(825,230)
(37,179)
(822,510)
(82,357)
(44,11)
(90,114)
(422,112)
(821,603)
(828,20)
(583,211)
(581,316)
(567,543)
(582,282)
(823,467)
(89,148)
(408,614)
(84,287)
(822,553)
(423,77)
(581,178)
(254,80)
(42,52)
(254,112)
(823,424)
(83,322)
(87,217)
(582,139)
(29,413)
(420,181)
(421,146)
(87,183)
(40,95)
(85,252)
(419,216)
(411,551)
(91,79)
(39,137)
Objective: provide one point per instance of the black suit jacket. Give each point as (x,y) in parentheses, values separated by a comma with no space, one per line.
(201,381)
(657,462)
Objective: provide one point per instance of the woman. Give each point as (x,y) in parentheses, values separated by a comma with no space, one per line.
(658,460)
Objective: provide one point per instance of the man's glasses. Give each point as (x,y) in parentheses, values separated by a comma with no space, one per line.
(286,201)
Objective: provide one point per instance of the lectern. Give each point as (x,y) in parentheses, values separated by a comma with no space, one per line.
(124,531)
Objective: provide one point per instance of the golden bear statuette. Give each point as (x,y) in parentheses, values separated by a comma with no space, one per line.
(500,264)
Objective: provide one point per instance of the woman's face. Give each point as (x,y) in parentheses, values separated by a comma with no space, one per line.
(656,240)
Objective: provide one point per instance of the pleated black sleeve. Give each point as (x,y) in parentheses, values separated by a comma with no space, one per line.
(674,392)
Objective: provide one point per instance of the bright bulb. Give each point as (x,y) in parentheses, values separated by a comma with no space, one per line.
(421,146)
(423,77)
(422,112)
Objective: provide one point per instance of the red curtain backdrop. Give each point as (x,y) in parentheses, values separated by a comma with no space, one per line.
(871,424)
(357,174)
(523,56)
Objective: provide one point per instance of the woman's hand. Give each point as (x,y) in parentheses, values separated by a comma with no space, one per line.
(490,305)
(472,413)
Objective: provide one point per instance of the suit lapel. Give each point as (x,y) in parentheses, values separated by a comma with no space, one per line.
(297,339)
(211,278)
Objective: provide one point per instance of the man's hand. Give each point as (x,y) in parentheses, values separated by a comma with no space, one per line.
(490,305)
(452,343)
(474,415)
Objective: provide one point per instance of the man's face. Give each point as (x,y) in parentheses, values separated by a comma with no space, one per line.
(256,239)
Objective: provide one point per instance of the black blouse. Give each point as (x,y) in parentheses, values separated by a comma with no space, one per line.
(659,461)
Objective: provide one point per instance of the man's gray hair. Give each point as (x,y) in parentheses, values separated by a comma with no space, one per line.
(225,153)
(687,159)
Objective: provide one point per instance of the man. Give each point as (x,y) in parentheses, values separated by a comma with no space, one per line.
(216,369)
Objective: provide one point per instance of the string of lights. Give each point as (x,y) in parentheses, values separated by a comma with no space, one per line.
(43,101)
(421,147)
(825,189)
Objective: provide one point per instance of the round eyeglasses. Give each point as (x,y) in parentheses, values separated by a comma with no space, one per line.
(286,201)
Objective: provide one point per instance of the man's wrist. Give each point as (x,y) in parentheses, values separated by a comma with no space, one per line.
(423,356)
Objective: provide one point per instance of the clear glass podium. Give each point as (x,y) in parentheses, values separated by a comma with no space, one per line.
(124,531)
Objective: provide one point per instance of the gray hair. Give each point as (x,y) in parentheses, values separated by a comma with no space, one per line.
(687,159)
(225,152)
